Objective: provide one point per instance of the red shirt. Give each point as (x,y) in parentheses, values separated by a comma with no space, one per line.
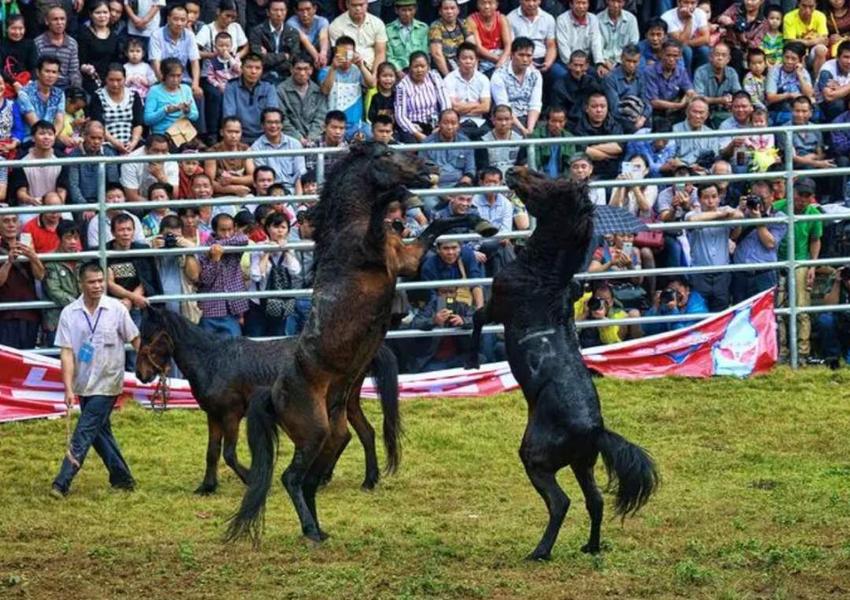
(43,240)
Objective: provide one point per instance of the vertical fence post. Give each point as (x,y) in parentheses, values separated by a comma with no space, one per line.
(101,215)
(532,157)
(790,255)
(320,168)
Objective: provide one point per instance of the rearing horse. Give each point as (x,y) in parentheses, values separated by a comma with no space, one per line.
(358,262)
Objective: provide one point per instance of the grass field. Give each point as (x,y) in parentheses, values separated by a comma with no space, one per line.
(755,503)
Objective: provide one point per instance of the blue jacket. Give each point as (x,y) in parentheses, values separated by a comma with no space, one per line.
(696,305)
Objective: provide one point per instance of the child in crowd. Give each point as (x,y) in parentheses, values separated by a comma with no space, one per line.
(188,169)
(755,78)
(140,75)
(193,14)
(343,82)
(773,43)
(157,192)
(71,135)
(381,99)
(225,65)
(763,147)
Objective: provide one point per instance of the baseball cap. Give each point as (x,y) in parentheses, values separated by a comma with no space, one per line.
(804,185)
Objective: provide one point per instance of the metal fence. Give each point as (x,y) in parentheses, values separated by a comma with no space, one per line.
(788,173)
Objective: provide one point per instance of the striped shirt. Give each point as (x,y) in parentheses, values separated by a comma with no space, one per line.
(420,102)
(223,276)
(68,56)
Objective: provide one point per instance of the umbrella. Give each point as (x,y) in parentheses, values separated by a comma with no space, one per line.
(613,219)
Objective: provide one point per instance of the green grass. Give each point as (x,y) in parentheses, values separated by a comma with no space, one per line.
(755,503)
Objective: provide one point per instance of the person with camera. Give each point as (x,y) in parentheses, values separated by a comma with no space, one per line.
(672,204)
(756,244)
(677,298)
(710,246)
(600,303)
(177,274)
(833,328)
(449,308)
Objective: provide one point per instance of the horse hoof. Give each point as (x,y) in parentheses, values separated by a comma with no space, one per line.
(539,556)
(325,480)
(205,489)
(590,548)
(369,484)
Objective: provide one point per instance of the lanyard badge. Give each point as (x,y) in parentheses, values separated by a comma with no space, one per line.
(86,352)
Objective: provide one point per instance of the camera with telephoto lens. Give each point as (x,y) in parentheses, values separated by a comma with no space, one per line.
(754,202)
(595,304)
(668,295)
(170,240)
(398,226)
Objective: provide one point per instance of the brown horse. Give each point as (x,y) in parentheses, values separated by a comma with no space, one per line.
(358,262)
(223,373)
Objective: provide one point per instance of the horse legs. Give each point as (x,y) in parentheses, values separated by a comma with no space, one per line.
(329,472)
(335,442)
(210,482)
(304,417)
(537,462)
(231,437)
(593,502)
(366,433)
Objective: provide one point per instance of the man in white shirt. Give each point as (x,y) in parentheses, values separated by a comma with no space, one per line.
(91,334)
(367,31)
(469,91)
(689,25)
(136,178)
(528,20)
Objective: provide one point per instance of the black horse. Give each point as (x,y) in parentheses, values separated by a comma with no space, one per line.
(565,424)
(224,373)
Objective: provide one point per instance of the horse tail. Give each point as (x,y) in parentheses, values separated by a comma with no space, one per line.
(385,371)
(262,440)
(632,474)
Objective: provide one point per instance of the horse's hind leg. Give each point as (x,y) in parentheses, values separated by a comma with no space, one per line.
(231,437)
(366,433)
(210,482)
(542,475)
(593,501)
(337,438)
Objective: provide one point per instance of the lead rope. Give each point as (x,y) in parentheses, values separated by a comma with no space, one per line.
(68,433)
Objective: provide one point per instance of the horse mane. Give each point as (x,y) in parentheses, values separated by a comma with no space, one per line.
(196,343)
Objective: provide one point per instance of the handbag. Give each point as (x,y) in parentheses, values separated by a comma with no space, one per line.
(649,238)
(181,132)
(279,279)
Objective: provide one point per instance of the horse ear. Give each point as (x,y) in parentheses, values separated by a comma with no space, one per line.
(360,148)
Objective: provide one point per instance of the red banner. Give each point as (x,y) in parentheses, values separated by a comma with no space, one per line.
(740,341)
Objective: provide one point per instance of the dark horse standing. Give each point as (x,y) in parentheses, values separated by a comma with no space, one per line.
(358,261)
(223,373)
(565,424)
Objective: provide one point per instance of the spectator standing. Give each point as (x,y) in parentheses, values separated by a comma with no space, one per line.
(757,244)
(18,276)
(366,30)
(221,273)
(92,332)
(519,85)
(247,97)
(276,42)
(98,45)
(288,169)
(140,75)
(131,280)
(405,36)
(419,100)
(380,100)
(710,246)
(492,35)
(143,19)
(57,43)
(756,78)
(177,274)
(302,102)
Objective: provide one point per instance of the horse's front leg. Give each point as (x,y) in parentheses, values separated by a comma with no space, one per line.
(479,319)
(210,482)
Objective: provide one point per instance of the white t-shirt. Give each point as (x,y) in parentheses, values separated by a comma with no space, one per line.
(675,25)
(136,176)
(476,89)
(206,36)
(142,8)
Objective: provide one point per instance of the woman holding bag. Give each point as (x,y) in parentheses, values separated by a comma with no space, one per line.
(171,100)
(274,270)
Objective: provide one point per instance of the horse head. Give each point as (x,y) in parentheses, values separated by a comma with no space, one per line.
(156,347)
(389,170)
(562,207)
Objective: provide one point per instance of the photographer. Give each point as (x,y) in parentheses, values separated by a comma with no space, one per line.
(449,307)
(600,303)
(590,337)
(833,328)
(177,274)
(673,203)
(756,244)
(675,299)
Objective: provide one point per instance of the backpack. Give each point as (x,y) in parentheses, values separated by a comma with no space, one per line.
(279,279)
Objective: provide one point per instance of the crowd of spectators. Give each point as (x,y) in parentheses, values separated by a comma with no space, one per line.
(156,77)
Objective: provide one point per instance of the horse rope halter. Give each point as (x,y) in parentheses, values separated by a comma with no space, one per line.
(160,396)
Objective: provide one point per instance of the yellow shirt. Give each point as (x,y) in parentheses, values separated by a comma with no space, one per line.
(794,29)
(610,334)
